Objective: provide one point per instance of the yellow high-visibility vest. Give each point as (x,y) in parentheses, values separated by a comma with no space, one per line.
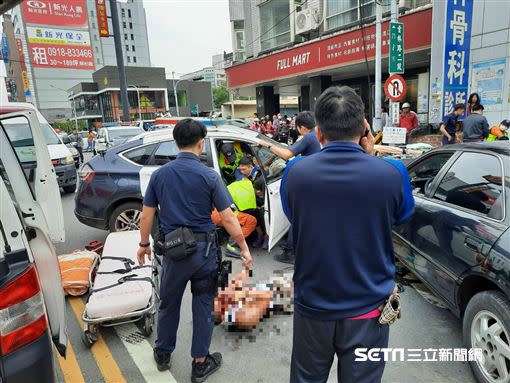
(243,194)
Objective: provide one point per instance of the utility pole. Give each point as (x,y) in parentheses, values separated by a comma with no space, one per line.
(394,19)
(175,94)
(378,58)
(120,61)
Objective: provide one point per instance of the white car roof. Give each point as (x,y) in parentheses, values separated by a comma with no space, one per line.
(212,131)
(119,127)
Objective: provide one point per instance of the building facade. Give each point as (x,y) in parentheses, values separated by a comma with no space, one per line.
(299,48)
(99,101)
(193,97)
(61,45)
(215,74)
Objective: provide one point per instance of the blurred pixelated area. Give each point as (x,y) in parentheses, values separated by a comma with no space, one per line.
(244,302)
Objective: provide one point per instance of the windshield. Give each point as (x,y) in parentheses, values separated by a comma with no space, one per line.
(124,133)
(20,134)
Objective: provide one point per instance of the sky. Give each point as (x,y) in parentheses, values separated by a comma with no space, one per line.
(185,34)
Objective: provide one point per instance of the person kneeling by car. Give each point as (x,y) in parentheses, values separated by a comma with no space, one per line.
(186,192)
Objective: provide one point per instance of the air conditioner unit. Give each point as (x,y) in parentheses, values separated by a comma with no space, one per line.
(304,21)
(405,5)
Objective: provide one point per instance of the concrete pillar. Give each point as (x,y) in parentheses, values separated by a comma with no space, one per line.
(318,84)
(267,101)
(304,98)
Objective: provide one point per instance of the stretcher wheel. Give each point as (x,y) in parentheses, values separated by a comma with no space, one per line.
(88,338)
(147,321)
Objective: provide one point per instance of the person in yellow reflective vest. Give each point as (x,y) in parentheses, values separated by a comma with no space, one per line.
(230,155)
(244,196)
(499,132)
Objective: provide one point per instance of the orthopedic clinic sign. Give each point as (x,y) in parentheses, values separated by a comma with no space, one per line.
(69,13)
(331,52)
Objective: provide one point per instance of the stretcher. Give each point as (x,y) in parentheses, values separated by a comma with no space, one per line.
(121,291)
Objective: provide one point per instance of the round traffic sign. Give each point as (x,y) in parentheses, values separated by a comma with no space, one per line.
(395,87)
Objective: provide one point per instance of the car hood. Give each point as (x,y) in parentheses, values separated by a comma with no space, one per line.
(58,151)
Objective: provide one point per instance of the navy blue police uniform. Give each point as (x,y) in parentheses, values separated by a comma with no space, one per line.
(450,121)
(186,192)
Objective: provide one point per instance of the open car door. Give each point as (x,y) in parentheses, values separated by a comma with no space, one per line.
(275,218)
(32,179)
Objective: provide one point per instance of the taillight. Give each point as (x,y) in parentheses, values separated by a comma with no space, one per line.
(22,315)
(86,174)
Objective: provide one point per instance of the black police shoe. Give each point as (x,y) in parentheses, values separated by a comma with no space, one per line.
(201,371)
(287,256)
(162,360)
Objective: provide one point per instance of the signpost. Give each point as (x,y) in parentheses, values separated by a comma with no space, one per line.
(393,135)
(395,87)
(396,47)
(395,113)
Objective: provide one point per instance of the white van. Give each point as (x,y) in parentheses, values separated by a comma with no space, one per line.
(32,311)
(60,155)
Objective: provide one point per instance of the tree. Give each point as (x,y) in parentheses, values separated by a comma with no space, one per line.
(220,96)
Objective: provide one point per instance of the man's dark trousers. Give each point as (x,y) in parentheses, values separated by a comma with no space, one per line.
(316,342)
(174,278)
(80,152)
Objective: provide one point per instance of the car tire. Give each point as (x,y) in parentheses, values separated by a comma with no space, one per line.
(486,325)
(69,188)
(126,217)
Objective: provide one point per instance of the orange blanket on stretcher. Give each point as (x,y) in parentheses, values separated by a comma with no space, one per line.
(75,269)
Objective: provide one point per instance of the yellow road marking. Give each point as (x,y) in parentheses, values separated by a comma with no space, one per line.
(70,367)
(104,358)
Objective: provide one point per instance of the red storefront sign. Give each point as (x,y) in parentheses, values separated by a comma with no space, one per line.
(336,51)
(61,56)
(102,18)
(69,13)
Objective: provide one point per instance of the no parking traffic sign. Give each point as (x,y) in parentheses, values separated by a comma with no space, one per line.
(395,87)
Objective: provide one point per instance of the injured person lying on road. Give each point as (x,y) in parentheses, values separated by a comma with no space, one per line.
(243,304)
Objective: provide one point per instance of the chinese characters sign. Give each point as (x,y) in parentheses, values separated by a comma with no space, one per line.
(61,56)
(102,18)
(69,13)
(396,48)
(45,35)
(24,73)
(456,54)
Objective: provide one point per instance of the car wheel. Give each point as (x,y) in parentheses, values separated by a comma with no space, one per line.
(69,188)
(126,217)
(486,326)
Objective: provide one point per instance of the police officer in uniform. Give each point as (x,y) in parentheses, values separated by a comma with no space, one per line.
(186,192)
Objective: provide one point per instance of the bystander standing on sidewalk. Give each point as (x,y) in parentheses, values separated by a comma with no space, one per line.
(408,119)
(342,203)
(475,127)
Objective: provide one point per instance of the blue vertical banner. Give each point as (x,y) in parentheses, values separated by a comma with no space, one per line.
(459,14)
(5,48)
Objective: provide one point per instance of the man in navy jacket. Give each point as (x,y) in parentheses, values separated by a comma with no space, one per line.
(342,203)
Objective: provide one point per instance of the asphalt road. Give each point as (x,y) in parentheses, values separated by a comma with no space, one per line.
(123,355)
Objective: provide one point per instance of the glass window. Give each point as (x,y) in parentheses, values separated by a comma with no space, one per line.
(95,37)
(133,48)
(239,40)
(425,171)
(124,24)
(130,25)
(474,182)
(127,48)
(274,24)
(125,36)
(123,12)
(140,155)
(273,165)
(134,59)
(128,59)
(129,12)
(345,12)
(132,36)
(167,151)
